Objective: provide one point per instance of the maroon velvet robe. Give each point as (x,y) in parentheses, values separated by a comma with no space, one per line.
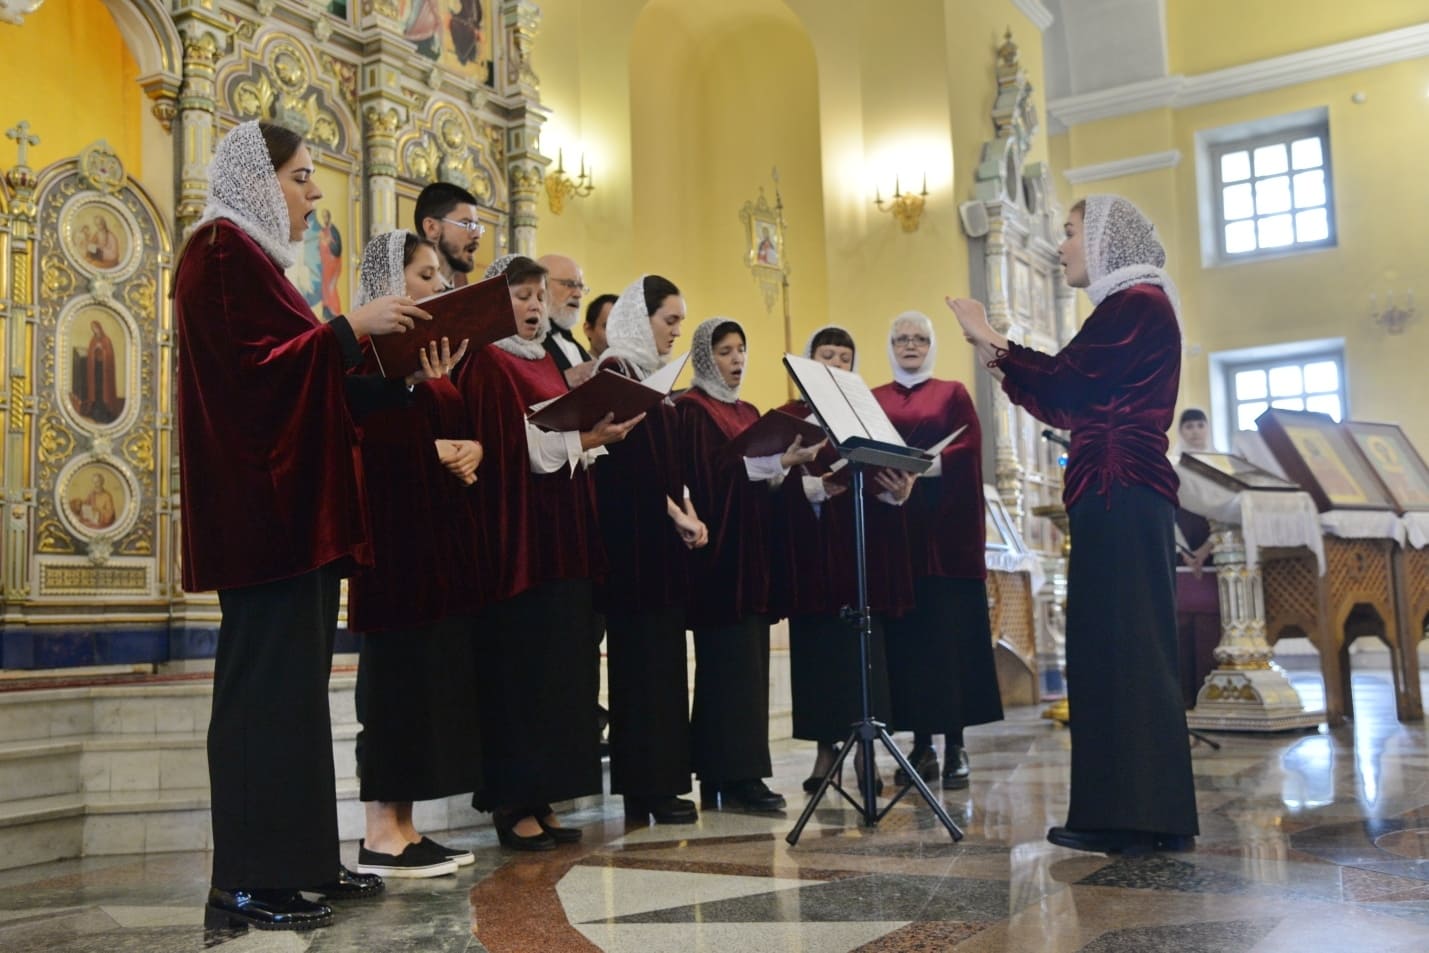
(268,453)
(646,556)
(535,527)
(729,578)
(1114,386)
(815,567)
(947,528)
(422,516)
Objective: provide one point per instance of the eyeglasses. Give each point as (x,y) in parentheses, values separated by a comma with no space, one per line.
(911,340)
(477,227)
(573,285)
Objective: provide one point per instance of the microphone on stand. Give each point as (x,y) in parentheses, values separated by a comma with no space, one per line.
(1061,441)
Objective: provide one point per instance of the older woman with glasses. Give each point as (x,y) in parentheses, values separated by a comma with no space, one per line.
(940,665)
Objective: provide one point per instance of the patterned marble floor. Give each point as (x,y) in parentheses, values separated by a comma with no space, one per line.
(1311,842)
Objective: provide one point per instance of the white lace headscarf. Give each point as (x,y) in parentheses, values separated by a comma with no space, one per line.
(1122,249)
(382,270)
(628,335)
(809,347)
(243,188)
(532,350)
(707,375)
(922,322)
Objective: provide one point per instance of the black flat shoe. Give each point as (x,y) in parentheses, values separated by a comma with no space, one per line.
(665,810)
(924,761)
(561,835)
(957,771)
(506,834)
(350,886)
(264,909)
(1102,841)
(752,795)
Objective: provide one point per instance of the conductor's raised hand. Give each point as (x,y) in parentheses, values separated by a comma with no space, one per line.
(798,454)
(390,314)
(608,431)
(972,318)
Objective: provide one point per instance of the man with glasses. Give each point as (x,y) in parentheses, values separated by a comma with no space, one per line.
(565,287)
(447,216)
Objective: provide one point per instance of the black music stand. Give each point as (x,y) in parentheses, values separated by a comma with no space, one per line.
(861,452)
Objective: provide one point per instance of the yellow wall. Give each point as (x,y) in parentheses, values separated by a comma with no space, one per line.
(1205,35)
(1377,151)
(78,84)
(841,96)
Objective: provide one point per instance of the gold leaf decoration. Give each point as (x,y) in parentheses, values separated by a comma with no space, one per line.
(56,442)
(139,450)
(52,537)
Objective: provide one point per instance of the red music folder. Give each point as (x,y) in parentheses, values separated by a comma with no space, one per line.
(606,393)
(773,433)
(481,313)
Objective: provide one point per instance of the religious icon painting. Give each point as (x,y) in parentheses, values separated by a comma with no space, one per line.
(1394,460)
(762,237)
(327,258)
(96,497)
(1320,456)
(451,33)
(96,354)
(100,237)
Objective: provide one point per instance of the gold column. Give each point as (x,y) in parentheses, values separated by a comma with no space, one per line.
(205,38)
(18,343)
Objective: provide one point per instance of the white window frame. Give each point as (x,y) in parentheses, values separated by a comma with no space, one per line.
(1224,365)
(1211,144)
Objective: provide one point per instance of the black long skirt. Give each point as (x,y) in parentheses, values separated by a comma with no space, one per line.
(941,671)
(270,770)
(729,724)
(1131,758)
(824,674)
(538,678)
(646,665)
(420,736)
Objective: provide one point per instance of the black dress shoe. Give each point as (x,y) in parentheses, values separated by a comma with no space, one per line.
(665,810)
(505,825)
(750,795)
(264,909)
(350,886)
(1108,841)
(956,769)
(924,761)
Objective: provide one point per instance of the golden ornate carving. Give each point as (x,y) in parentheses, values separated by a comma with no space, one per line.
(52,538)
(251,97)
(345,74)
(56,441)
(100,168)
(17,403)
(139,450)
(140,295)
(276,82)
(140,542)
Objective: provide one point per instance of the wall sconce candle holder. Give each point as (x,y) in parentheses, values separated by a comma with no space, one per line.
(1391,317)
(560,187)
(907,207)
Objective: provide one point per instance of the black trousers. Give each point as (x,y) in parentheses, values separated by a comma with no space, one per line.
(729,723)
(824,675)
(420,737)
(646,665)
(941,668)
(1131,758)
(270,767)
(538,680)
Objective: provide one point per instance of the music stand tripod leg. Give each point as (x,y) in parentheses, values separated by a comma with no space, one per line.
(866,731)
